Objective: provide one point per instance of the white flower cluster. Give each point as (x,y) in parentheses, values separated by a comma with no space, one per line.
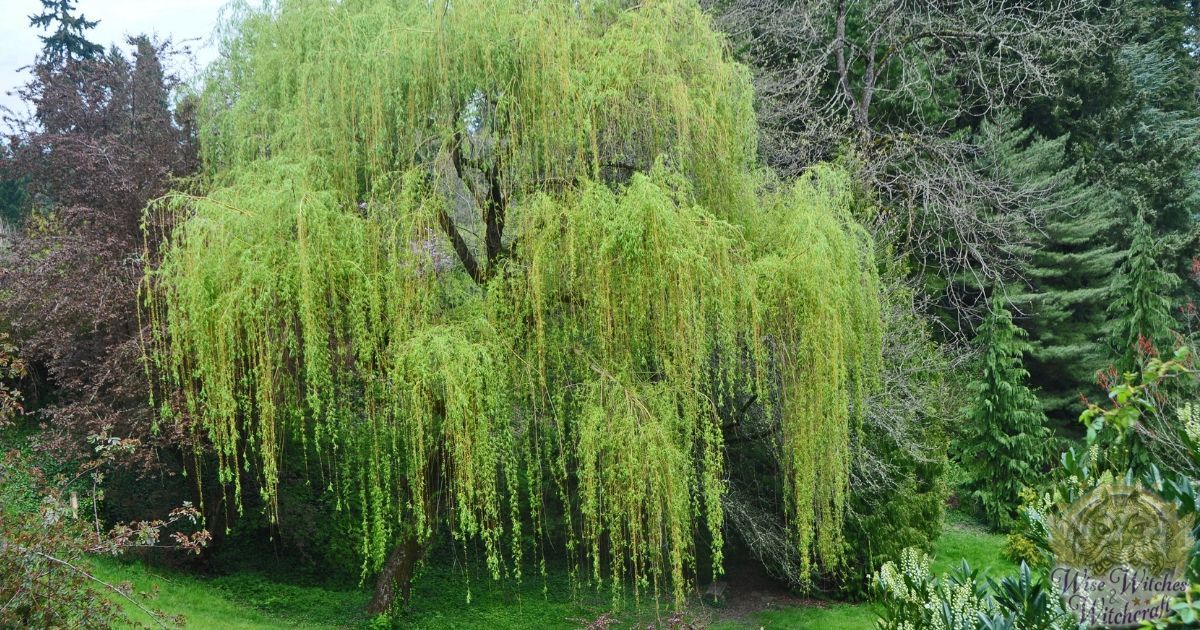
(1189,417)
(963,604)
(911,598)
(925,600)
(904,582)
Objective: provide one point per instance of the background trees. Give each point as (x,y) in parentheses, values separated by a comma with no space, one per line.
(1063,296)
(900,86)
(102,144)
(1010,145)
(528,276)
(1141,321)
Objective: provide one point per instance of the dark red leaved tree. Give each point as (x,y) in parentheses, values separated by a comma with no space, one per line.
(104,141)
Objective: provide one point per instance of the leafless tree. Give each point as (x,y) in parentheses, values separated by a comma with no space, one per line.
(894,83)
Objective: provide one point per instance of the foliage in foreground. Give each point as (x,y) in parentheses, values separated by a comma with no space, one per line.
(1117,449)
(48,535)
(44,580)
(913,599)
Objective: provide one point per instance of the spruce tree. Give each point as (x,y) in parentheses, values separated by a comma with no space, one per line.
(1134,128)
(67,42)
(1130,119)
(1005,443)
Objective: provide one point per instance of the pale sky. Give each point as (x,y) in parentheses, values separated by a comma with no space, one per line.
(185,21)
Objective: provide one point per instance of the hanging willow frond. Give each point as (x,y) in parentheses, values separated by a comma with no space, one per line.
(358,155)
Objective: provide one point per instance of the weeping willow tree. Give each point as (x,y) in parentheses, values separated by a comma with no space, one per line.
(508,271)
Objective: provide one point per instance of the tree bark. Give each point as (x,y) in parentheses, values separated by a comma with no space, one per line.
(397,574)
(398,569)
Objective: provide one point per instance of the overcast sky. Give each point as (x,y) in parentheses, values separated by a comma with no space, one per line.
(184,21)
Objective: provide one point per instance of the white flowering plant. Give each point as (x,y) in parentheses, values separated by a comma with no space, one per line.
(912,598)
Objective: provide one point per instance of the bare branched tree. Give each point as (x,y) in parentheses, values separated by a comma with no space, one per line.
(898,84)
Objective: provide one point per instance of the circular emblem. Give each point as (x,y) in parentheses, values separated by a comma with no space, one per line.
(1121,553)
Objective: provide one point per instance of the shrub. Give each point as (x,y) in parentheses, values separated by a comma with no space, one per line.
(912,598)
(44,578)
(899,486)
(1117,451)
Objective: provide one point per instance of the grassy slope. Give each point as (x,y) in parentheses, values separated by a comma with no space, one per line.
(839,616)
(250,600)
(964,539)
(235,602)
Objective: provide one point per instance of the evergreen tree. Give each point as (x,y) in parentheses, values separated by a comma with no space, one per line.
(1132,128)
(1133,122)
(1070,257)
(1141,312)
(1006,438)
(67,42)
(149,106)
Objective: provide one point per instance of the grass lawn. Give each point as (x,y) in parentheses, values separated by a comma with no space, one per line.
(220,602)
(835,615)
(962,539)
(256,600)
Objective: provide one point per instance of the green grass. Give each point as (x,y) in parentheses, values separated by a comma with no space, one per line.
(251,600)
(237,602)
(254,599)
(964,539)
(834,616)
(440,600)
(961,539)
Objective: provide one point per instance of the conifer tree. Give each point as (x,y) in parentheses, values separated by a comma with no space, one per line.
(1070,255)
(68,41)
(1005,442)
(1141,321)
(1133,122)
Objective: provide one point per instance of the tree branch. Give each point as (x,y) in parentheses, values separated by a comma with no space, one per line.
(460,247)
(840,46)
(154,616)
(494,211)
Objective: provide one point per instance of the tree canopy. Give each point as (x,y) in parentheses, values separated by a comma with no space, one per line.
(68,41)
(501,267)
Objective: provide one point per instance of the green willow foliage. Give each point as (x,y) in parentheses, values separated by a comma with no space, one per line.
(651,276)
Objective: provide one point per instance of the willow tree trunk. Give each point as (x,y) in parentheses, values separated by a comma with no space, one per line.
(398,569)
(397,573)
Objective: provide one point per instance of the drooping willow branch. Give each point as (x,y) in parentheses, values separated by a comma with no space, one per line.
(559,351)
